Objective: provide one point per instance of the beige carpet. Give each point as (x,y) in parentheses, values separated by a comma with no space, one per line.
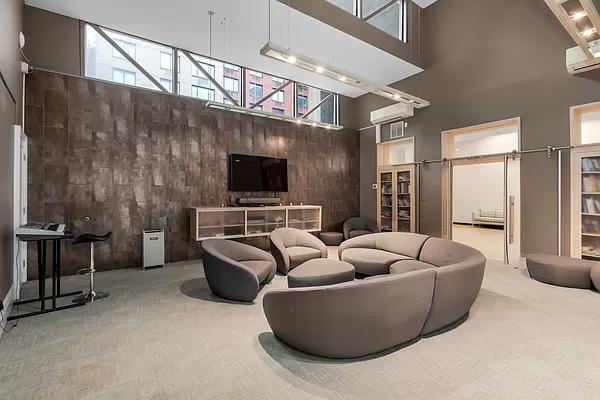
(162,335)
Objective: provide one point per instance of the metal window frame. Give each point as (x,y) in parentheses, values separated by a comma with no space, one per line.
(267,97)
(319,104)
(175,82)
(212,80)
(128,57)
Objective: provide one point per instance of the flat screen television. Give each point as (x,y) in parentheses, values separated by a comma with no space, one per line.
(257,174)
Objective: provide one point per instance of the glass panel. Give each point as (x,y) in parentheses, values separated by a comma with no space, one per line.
(403,191)
(308,97)
(103,61)
(346,5)
(590,127)
(388,20)
(486,141)
(400,153)
(386,202)
(259,84)
(368,6)
(590,208)
(193,82)
(220,223)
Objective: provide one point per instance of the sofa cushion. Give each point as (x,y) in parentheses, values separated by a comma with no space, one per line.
(358,232)
(320,272)
(442,252)
(300,254)
(406,244)
(403,266)
(260,268)
(371,261)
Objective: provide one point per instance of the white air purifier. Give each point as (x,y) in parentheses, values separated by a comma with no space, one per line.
(154,248)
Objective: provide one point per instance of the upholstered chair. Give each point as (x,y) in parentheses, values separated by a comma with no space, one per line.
(359,226)
(291,247)
(236,271)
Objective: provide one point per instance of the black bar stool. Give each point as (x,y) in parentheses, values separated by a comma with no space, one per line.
(90,238)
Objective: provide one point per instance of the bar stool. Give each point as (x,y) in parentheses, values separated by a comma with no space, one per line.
(93,295)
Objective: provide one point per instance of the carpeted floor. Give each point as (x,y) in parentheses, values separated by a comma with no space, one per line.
(162,335)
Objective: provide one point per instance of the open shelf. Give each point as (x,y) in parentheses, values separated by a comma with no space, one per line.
(239,222)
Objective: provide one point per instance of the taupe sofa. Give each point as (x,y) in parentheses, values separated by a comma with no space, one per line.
(359,226)
(291,247)
(235,270)
(424,284)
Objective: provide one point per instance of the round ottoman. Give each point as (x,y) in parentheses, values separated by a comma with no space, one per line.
(560,271)
(320,272)
(595,275)
(331,238)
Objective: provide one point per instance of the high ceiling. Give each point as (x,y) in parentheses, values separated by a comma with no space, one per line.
(240,29)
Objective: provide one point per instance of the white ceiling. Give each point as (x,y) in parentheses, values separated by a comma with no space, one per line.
(238,39)
(424,3)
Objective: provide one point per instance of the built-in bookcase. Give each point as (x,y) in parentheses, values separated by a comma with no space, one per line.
(396,199)
(590,207)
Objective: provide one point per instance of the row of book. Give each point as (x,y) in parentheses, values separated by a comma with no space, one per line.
(590,184)
(590,205)
(591,225)
(590,164)
(404,201)
(403,187)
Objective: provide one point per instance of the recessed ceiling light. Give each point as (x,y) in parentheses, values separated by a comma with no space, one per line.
(397,96)
(588,32)
(298,121)
(291,59)
(320,69)
(342,78)
(314,124)
(578,15)
(328,126)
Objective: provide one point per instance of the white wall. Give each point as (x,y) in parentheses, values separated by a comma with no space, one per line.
(476,186)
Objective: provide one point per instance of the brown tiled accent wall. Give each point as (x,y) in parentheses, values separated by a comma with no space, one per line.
(132,159)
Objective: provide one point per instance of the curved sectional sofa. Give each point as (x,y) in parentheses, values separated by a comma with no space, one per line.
(420,285)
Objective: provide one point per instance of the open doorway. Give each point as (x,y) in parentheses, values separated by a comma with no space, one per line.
(478,207)
(481,188)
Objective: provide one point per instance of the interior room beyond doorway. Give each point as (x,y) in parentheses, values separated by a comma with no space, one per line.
(478,207)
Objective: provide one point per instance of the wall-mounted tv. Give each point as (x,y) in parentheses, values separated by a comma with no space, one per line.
(257,174)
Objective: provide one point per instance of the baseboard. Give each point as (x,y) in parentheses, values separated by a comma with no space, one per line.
(8,303)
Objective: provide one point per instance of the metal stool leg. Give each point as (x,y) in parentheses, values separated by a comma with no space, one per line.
(93,295)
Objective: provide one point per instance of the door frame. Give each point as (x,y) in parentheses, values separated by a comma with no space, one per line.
(447,141)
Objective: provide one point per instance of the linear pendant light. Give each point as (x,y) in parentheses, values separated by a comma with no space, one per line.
(281,53)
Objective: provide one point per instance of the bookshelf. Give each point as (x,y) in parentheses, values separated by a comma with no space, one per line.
(586,205)
(396,199)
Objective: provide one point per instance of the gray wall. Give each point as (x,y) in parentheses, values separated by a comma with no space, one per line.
(10,111)
(53,40)
(133,158)
(488,60)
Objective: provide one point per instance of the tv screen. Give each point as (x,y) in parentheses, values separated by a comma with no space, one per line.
(257,174)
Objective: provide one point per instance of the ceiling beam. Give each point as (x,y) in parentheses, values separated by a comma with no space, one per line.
(570,27)
(592,12)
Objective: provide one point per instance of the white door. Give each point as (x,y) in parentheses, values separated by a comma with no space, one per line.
(512,211)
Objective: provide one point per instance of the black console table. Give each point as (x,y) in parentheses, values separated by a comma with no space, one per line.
(41,242)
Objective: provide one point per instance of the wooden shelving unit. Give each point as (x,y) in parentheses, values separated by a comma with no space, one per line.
(586,208)
(239,222)
(396,199)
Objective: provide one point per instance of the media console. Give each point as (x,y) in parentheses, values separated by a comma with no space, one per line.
(239,222)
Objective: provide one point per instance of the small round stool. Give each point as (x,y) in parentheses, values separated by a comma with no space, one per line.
(93,295)
(320,272)
(331,238)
